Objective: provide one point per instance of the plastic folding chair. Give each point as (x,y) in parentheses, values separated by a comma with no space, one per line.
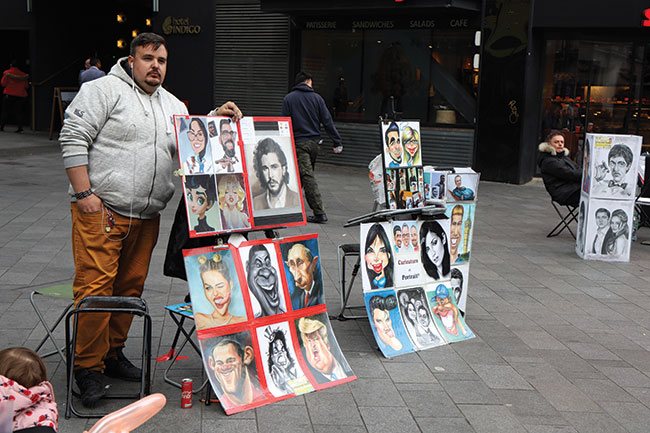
(565,219)
(61,291)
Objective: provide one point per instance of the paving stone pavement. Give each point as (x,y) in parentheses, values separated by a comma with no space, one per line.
(562,344)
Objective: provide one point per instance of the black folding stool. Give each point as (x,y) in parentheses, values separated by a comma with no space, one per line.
(107,304)
(565,219)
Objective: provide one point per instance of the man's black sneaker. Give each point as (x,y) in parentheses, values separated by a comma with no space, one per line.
(91,386)
(121,368)
(318,219)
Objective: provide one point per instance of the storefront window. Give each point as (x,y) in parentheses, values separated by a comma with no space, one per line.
(427,71)
(594,86)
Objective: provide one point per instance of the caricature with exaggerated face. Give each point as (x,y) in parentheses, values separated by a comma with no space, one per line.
(199,160)
(447,312)
(379,308)
(393,145)
(308,286)
(323,364)
(233,364)
(455,232)
(200,196)
(263,281)
(227,138)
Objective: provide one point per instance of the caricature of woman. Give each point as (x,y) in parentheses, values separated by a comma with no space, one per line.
(616,238)
(217,287)
(379,260)
(434,250)
(411,144)
(200,194)
(232,198)
(379,308)
(198,162)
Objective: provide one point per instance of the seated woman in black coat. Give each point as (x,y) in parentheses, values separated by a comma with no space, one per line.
(562,177)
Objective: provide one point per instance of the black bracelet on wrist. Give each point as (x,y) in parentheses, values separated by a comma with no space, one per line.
(83,194)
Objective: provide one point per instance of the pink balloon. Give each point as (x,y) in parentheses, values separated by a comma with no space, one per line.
(130,417)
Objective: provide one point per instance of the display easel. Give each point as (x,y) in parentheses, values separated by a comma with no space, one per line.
(60,100)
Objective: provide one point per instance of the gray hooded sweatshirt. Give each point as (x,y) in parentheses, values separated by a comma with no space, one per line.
(126,138)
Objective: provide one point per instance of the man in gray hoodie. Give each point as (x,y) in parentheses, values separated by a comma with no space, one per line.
(118,144)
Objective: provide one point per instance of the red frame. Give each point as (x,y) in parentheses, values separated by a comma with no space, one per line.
(251,218)
(252,323)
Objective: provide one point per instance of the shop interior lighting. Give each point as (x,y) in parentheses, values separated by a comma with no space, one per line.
(134,33)
(121,44)
(379,42)
(121,18)
(147,22)
(476,61)
(477,38)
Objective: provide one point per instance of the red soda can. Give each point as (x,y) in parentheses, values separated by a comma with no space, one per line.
(186,393)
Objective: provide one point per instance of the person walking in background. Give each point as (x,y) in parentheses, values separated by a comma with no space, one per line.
(307,110)
(14,95)
(93,72)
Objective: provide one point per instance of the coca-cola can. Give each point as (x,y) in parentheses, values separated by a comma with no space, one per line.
(186,393)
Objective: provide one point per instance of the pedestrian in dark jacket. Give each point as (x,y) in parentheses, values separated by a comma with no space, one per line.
(562,177)
(307,110)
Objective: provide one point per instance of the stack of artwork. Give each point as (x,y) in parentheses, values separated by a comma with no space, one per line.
(261,321)
(402,158)
(227,189)
(412,283)
(606,211)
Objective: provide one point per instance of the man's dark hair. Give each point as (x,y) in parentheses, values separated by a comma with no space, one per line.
(226,341)
(623,151)
(380,303)
(95,61)
(266,146)
(456,273)
(302,76)
(223,122)
(147,38)
(552,134)
(601,210)
(397,229)
(391,128)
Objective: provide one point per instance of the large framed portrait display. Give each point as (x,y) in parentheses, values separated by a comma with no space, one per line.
(238,176)
(604,229)
(402,159)
(412,289)
(261,321)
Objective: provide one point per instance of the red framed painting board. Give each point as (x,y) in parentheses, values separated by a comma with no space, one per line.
(306,358)
(232,173)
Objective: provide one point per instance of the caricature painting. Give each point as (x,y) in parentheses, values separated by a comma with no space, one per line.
(386,323)
(581,231)
(202,203)
(462,185)
(320,350)
(461,225)
(234,207)
(225,145)
(194,146)
(302,269)
(263,278)
(281,368)
(230,363)
(416,316)
(214,288)
(434,249)
(446,314)
(378,257)
(459,285)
